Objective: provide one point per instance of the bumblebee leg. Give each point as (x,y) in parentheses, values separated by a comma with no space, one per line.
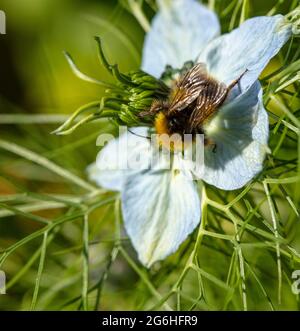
(156,107)
(237,81)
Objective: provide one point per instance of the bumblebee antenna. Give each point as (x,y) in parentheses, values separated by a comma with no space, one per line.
(139,135)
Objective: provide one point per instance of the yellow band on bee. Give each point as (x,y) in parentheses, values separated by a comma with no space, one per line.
(161,123)
(164,137)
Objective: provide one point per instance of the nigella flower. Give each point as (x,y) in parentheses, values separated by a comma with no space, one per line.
(161,208)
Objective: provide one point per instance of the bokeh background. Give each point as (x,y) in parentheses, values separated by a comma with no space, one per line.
(37,92)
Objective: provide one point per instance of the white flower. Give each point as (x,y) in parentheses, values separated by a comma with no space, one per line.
(161,208)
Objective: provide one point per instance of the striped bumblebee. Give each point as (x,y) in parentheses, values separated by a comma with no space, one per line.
(192,99)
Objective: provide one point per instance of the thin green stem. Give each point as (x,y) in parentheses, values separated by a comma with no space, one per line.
(40,272)
(85,263)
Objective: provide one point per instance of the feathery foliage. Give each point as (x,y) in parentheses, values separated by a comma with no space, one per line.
(72,252)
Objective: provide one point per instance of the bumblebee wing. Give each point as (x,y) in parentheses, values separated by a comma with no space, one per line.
(188,88)
(208,100)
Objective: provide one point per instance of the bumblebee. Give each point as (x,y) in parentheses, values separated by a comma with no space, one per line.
(192,100)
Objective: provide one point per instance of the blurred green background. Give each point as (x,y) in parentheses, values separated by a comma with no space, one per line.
(35,79)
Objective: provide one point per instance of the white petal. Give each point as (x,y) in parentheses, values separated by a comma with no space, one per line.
(109,179)
(240,131)
(261,129)
(249,47)
(160,210)
(115,160)
(179,32)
